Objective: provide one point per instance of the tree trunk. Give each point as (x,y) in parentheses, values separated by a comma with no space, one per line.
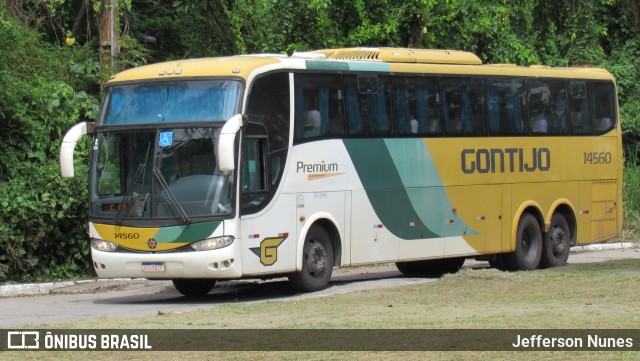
(108,27)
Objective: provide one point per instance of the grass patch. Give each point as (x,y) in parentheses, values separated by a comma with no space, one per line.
(581,296)
(598,295)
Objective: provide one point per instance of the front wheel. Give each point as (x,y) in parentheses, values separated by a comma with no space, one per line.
(317,262)
(194,287)
(528,245)
(557,243)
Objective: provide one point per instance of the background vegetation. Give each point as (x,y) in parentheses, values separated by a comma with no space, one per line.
(51,74)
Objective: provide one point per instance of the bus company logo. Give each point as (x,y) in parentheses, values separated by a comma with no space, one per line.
(507,160)
(268,250)
(23,340)
(316,171)
(152,243)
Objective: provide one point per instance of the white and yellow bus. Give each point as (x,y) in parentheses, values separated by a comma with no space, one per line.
(268,165)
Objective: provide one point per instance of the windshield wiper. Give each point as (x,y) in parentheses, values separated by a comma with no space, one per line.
(172,199)
(125,202)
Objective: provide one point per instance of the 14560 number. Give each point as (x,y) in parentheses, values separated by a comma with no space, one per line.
(597,158)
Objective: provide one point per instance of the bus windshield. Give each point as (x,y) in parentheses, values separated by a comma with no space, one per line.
(160,174)
(180,101)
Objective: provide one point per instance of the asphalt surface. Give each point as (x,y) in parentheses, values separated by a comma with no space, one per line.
(69,301)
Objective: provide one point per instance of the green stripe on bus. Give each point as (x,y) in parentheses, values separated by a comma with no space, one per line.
(385,189)
(420,178)
(346,66)
(186,234)
(326,65)
(404,188)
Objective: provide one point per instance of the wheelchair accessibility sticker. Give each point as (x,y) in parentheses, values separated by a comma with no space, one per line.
(166,139)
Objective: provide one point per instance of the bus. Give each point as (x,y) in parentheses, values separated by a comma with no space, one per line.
(265,166)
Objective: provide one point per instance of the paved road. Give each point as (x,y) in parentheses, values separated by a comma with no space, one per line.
(90,300)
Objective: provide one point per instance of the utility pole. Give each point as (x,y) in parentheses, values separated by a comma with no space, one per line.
(109,28)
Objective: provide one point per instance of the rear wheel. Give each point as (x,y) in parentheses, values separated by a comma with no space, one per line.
(557,243)
(194,287)
(499,262)
(317,262)
(528,245)
(409,268)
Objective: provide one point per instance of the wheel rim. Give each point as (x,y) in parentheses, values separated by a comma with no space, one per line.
(558,240)
(316,257)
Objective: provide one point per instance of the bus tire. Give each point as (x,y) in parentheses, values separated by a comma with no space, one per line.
(528,245)
(194,287)
(317,262)
(557,243)
(430,268)
(499,262)
(409,268)
(444,266)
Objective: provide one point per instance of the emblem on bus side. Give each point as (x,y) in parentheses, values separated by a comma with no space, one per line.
(268,250)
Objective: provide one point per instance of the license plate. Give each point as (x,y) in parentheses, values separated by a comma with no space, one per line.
(153,267)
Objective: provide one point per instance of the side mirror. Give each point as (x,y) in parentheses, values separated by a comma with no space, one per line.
(69,144)
(226,145)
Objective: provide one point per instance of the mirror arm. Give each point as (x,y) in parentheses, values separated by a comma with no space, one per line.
(69,144)
(226,146)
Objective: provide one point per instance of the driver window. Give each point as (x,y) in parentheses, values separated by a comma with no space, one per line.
(266,140)
(254,183)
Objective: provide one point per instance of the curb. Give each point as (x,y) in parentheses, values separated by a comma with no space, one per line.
(31,288)
(39,289)
(603,247)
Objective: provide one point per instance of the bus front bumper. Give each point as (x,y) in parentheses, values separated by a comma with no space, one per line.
(220,263)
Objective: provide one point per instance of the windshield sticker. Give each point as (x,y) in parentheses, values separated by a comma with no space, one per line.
(166,139)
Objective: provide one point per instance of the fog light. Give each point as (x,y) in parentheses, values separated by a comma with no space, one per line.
(212,243)
(102,245)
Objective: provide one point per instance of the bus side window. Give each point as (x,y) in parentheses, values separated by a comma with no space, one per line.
(463,106)
(417,106)
(546,101)
(318,104)
(368,105)
(505,110)
(579,108)
(603,105)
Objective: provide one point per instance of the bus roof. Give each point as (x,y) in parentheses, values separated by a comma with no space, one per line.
(402,55)
(380,60)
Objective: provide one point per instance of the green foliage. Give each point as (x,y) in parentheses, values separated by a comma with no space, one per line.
(631,197)
(42,217)
(43,225)
(624,64)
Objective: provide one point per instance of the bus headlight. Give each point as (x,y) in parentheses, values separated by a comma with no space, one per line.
(102,245)
(212,243)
